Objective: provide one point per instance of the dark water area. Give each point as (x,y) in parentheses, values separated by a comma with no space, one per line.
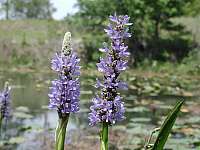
(32,123)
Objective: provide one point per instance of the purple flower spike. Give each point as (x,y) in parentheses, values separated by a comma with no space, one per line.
(108,107)
(65,91)
(5,101)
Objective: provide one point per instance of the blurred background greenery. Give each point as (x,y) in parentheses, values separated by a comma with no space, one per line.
(166,33)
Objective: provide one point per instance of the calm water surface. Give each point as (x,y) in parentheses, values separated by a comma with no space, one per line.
(31,116)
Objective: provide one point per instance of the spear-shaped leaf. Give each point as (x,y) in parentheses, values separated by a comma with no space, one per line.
(166,127)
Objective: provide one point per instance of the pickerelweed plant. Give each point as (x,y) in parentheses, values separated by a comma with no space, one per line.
(5,103)
(65,91)
(108,107)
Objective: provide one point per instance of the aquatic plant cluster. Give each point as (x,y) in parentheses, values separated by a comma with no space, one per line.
(65,91)
(108,107)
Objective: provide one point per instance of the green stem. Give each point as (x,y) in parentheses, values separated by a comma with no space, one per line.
(104,136)
(1,120)
(61,132)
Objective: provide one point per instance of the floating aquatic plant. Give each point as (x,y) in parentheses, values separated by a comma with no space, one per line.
(108,107)
(65,91)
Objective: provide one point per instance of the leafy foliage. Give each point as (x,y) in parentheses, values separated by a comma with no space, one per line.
(153,26)
(28,9)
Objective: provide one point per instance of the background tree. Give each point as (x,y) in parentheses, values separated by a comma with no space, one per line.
(193,8)
(32,9)
(5,5)
(160,13)
(156,33)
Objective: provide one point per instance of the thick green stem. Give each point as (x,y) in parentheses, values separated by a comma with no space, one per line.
(1,120)
(60,132)
(104,136)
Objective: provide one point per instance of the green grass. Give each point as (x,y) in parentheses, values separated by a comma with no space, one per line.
(32,39)
(31,43)
(33,29)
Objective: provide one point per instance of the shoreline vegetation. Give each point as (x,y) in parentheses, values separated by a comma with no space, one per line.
(25,44)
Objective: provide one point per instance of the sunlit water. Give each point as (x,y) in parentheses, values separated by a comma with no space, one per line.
(31,116)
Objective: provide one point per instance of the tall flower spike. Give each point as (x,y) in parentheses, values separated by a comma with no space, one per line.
(5,101)
(65,91)
(108,107)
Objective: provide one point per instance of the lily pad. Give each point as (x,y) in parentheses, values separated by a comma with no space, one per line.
(22,109)
(142,119)
(16,140)
(22,115)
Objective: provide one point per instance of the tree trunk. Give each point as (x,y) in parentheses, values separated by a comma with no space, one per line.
(7,9)
(157,29)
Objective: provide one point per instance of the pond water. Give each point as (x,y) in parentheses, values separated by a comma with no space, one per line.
(31,119)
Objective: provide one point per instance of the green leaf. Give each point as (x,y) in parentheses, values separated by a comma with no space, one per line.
(166,127)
